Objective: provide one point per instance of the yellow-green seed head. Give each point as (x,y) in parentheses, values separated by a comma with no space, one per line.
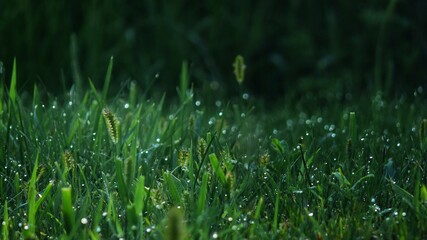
(201,148)
(68,159)
(239,69)
(264,159)
(183,157)
(113,125)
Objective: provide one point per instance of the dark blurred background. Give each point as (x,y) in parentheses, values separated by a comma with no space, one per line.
(289,47)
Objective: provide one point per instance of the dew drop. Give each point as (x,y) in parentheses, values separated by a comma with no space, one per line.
(245,96)
(84,221)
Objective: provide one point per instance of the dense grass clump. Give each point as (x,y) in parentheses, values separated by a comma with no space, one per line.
(89,167)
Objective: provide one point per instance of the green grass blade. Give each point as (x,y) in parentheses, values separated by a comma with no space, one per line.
(176,225)
(362,179)
(405,195)
(276,213)
(107,79)
(258,208)
(95,92)
(36,96)
(67,209)
(140,195)
(183,82)
(173,187)
(12,89)
(423,193)
(5,228)
(98,213)
(132,95)
(217,168)
(256,216)
(352,127)
(201,201)
(123,192)
(44,195)
(32,200)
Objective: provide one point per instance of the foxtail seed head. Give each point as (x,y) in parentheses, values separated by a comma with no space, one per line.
(239,69)
(68,159)
(113,125)
(183,158)
(201,148)
(264,159)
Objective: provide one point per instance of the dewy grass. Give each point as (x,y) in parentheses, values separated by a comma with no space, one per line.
(232,174)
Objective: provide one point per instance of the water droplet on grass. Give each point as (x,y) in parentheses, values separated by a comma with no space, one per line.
(245,96)
(84,221)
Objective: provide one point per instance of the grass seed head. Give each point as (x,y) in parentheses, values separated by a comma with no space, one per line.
(113,124)
(68,159)
(128,173)
(201,148)
(239,69)
(264,159)
(183,158)
(230,181)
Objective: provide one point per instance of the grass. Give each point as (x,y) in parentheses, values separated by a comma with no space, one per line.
(89,167)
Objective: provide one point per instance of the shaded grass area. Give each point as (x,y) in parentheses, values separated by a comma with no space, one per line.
(365,45)
(91,167)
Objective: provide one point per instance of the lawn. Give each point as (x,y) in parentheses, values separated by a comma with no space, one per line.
(116,164)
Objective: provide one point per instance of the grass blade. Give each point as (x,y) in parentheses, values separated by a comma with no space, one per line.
(352,127)
(30,232)
(201,201)
(123,193)
(176,229)
(172,184)
(140,195)
(43,196)
(276,213)
(183,82)
(5,228)
(217,168)
(12,89)
(67,209)
(107,79)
